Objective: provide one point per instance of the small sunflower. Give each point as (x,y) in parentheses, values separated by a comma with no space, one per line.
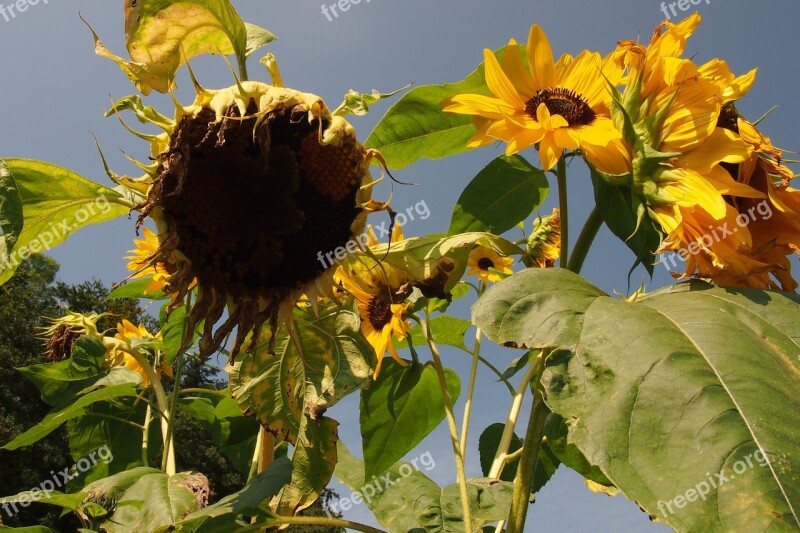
(141,263)
(133,337)
(488,265)
(380,292)
(555,105)
(250,184)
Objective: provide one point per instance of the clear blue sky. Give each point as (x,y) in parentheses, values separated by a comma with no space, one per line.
(53,89)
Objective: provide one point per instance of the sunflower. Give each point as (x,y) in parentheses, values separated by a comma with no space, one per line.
(488,265)
(774,220)
(142,265)
(134,338)
(61,334)
(555,105)
(380,292)
(682,149)
(249,185)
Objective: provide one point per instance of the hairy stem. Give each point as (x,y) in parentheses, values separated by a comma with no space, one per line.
(501,457)
(322,521)
(585,240)
(523,481)
(563,205)
(451,423)
(473,373)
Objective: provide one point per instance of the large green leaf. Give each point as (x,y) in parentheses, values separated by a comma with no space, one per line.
(154,501)
(60,382)
(163,34)
(108,490)
(221,516)
(59,416)
(687,400)
(405,499)
(416,126)
(313,462)
(42,204)
(307,374)
(102,428)
(501,196)
(399,410)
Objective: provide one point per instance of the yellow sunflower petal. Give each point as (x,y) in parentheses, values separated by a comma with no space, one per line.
(540,58)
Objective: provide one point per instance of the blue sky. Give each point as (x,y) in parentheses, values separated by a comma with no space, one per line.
(53,90)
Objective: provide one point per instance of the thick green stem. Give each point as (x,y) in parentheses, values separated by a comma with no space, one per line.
(523,481)
(171,419)
(148,417)
(322,521)
(501,456)
(256,456)
(210,392)
(563,206)
(168,463)
(585,240)
(451,423)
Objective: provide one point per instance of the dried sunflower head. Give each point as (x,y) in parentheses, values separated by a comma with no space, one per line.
(250,184)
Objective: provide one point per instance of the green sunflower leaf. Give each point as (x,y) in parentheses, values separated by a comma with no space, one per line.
(222,515)
(42,204)
(307,374)
(501,196)
(155,501)
(618,207)
(313,462)
(405,499)
(416,126)
(59,416)
(399,410)
(686,400)
(161,35)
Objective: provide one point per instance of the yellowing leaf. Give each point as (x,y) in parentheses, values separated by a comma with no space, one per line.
(161,35)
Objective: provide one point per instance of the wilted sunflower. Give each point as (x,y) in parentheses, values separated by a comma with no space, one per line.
(773,221)
(563,105)
(249,185)
(675,109)
(488,265)
(61,334)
